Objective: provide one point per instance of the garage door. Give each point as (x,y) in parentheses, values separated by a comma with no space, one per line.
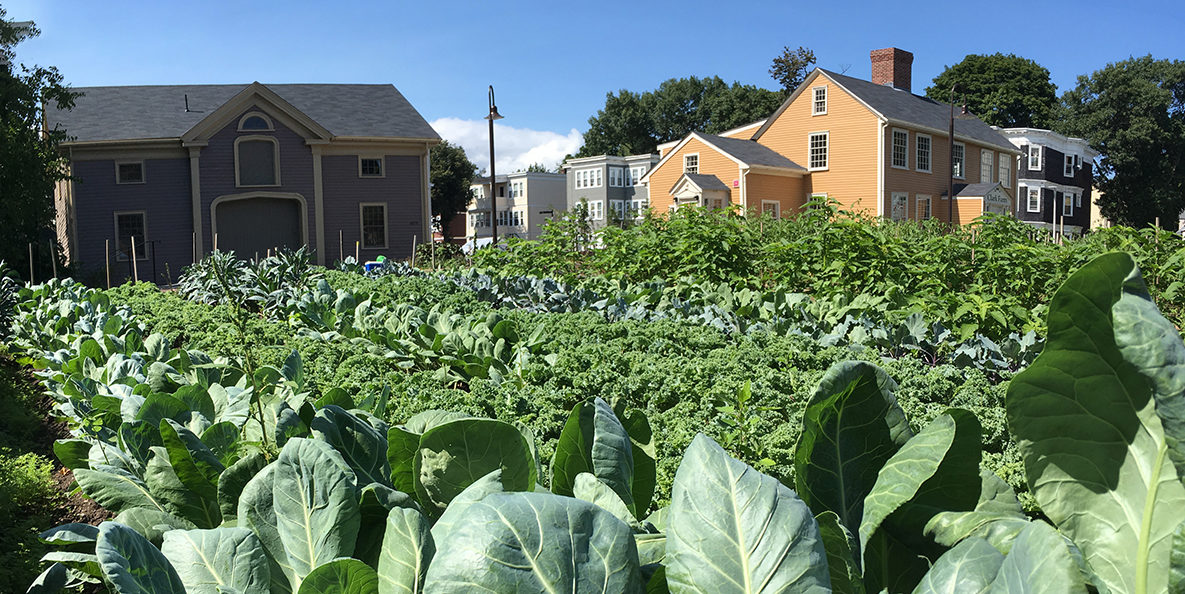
(255,225)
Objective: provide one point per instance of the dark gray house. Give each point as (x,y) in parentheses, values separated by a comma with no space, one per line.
(1055,179)
(175,171)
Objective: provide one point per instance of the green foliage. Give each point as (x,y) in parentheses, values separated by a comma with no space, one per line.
(791,67)
(1133,113)
(1002,90)
(452,173)
(27,502)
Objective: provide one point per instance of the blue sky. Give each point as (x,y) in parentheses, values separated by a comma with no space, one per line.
(551,63)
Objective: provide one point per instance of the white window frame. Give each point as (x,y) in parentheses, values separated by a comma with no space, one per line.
(929,212)
(271,127)
(987,163)
(479,220)
(816,100)
(143,176)
(961,149)
(1067,204)
(1068,166)
(929,153)
(776,210)
(1034,157)
(362,226)
(905,199)
(619,207)
(1033,199)
(382,166)
(275,154)
(616,177)
(1004,172)
(636,174)
(893,148)
(810,141)
(596,210)
(686,158)
(639,206)
(1078,200)
(144,240)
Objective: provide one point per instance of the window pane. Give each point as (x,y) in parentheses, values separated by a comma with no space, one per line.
(128,226)
(257,163)
(255,123)
(372,167)
(374,226)
(130,173)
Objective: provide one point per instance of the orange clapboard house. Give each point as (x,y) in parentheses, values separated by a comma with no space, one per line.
(874,147)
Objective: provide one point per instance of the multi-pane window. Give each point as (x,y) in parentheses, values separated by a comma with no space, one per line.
(1034,157)
(636,174)
(639,206)
(691,163)
(924,145)
(898,206)
(368,167)
(510,218)
(374,226)
(596,210)
(618,208)
(959,161)
(1005,174)
(479,219)
(1077,200)
(254,121)
(923,207)
(129,228)
(986,163)
(770,207)
(516,189)
(257,162)
(900,149)
(819,105)
(129,173)
(588,178)
(1034,201)
(1067,204)
(1069,168)
(616,177)
(818,151)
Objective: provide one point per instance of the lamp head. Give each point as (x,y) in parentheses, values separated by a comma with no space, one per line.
(494,115)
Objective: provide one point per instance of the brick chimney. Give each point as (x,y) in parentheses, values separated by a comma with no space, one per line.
(893,67)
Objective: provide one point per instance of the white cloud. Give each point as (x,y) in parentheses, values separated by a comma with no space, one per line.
(514,148)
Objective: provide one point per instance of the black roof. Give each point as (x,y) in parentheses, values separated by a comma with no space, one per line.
(133,112)
(750,152)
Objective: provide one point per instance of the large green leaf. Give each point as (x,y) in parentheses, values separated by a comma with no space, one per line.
(998,517)
(213,561)
(455,454)
(1040,561)
(233,479)
(341,576)
(591,489)
(970,567)
(1085,419)
(457,509)
(645,459)
(733,529)
(316,505)
(401,457)
(535,542)
(374,504)
(850,428)
(115,489)
(222,439)
(363,447)
(152,523)
(407,550)
(842,551)
(594,440)
(177,498)
(196,466)
(1177,562)
(132,565)
(257,512)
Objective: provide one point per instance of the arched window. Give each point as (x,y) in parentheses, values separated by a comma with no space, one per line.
(257,161)
(255,122)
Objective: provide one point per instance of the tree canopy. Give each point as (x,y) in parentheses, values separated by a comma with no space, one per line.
(1133,113)
(452,173)
(30,163)
(635,123)
(791,68)
(1003,90)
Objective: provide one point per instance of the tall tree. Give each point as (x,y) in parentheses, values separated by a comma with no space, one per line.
(1003,90)
(452,173)
(30,162)
(791,68)
(634,123)
(1133,113)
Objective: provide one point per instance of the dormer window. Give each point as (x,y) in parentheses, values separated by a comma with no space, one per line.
(255,122)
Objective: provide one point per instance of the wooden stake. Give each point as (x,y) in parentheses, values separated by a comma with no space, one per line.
(413,250)
(107,257)
(53,261)
(357,253)
(215,242)
(341,247)
(135,265)
(193,247)
(31,263)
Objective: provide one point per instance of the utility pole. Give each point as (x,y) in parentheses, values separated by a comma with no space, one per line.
(494,115)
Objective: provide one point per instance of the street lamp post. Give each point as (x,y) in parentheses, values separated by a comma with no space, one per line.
(494,115)
(950,191)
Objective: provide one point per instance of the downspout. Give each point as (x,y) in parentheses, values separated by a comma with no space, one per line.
(880,168)
(745,190)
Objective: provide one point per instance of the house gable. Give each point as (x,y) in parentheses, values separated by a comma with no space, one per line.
(264,100)
(711,161)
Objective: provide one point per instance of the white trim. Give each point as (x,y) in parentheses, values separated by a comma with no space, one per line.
(685,156)
(362,227)
(1029,198)
(815,100)
(144,238)
(382,165)
(1034,148)
(1068,165)
(990,162)
(962,174)
(275,157)
(880,168)
(893,148)
(143,172)
(319,203)
(271,126)
(727,133)
(1066,203)
(1003,171)
(917,160)
(826,151)
(599,215)
(777,211)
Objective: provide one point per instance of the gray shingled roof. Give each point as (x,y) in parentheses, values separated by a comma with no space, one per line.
(703,180)
(902,105)
(973,190)
(750,152)
(120,113)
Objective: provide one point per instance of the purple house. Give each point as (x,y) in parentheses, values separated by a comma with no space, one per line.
(175,171)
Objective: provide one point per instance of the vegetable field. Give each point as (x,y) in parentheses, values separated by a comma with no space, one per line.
(273,426)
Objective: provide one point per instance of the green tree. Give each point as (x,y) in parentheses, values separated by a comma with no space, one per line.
(452,173)
(635,123)
(537,168)
(791,68)
(30,162)
(1133,113)
(1003,90)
